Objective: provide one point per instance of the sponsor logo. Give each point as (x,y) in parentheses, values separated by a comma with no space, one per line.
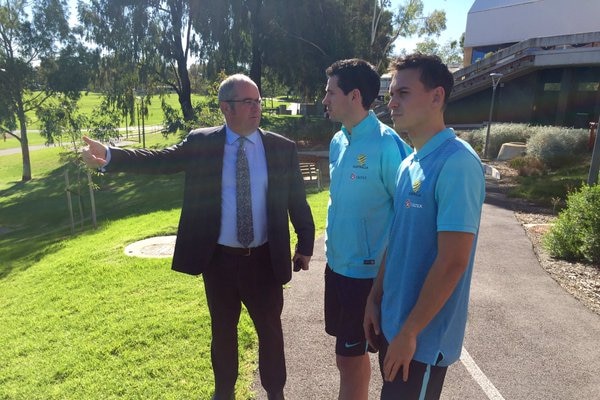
(351,345)
(410,204)
(353,176)
(369,262)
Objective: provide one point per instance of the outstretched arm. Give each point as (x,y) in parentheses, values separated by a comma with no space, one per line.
(94,155)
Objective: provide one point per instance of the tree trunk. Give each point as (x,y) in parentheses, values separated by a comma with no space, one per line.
(256,22)
(24,146)
(256,67)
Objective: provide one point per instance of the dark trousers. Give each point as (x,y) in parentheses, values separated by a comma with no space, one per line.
(230,281)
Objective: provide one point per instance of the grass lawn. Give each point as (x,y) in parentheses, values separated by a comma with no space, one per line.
(78,318)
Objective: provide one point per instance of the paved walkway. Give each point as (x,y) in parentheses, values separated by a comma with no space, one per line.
(526,337)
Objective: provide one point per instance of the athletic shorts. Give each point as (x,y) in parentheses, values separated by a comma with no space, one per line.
(425,381)
(345,300)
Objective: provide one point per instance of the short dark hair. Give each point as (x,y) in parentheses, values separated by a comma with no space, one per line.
(358,74)
(434,72)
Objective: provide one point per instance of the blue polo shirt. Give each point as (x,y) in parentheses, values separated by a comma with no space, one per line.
(440,188)
(363,168)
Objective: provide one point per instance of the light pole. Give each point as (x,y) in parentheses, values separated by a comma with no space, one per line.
(495,81)
(140,94)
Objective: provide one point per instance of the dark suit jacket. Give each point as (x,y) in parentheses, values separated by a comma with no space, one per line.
(200,156)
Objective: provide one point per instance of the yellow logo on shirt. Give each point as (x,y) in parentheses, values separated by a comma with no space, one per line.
(362,159)
(416,186)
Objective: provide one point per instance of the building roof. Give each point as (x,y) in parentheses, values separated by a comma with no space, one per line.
(494,22)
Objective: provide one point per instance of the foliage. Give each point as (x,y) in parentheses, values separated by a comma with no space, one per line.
(450,52)
(312,131)
(37,51)
(576,233)
(552,188)
(148,44)
(499,134)
(528,166)
(556,146)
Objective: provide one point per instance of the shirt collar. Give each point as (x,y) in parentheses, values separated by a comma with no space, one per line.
(435,142)
(231,136)
(363,127)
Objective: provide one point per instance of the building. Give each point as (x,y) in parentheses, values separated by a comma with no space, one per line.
(548,52)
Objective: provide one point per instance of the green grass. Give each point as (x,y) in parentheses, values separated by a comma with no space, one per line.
(78,318)
(557,184)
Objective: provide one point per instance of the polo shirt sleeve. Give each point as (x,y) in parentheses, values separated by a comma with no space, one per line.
(460,192)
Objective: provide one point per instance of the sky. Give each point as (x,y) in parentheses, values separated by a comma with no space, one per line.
(456,20)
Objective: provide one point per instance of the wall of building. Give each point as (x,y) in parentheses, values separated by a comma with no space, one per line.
(494,24)
(565,96)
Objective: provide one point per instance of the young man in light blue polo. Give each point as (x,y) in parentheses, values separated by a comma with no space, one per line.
(363,160)
(417,309)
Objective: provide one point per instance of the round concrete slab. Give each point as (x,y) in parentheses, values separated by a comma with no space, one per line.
(154,247)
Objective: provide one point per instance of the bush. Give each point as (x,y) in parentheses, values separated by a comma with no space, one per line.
(528,166)
(499,134)
(576,234)
(310,130)
(556,146)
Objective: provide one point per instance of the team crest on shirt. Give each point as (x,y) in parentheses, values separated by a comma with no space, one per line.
(416,186)
(361,160)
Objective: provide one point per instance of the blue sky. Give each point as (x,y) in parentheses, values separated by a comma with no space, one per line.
(456,19)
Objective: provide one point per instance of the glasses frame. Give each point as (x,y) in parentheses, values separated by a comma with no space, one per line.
(248,102)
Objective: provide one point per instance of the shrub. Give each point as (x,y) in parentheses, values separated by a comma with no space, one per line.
(310,130)
(576,233)
(499,134)
(556,146)
(528,166)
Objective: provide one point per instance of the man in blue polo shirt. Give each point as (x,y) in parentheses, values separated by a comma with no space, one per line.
(420,296)
(363,161)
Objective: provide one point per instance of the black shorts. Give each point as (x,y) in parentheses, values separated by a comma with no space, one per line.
(424,381)
(345,300)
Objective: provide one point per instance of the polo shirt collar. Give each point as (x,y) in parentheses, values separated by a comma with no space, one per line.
(435,142)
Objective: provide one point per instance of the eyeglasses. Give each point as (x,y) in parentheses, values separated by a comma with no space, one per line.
(247,102)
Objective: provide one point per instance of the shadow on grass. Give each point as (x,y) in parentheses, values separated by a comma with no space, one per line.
(35,216)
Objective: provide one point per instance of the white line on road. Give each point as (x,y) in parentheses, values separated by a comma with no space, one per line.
(479,377)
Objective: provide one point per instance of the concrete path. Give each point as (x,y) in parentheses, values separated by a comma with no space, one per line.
(526,338)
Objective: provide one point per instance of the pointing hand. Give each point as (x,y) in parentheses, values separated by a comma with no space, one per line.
(94,155)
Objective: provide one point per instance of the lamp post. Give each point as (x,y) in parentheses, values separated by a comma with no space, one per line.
(140,94)
(495,81)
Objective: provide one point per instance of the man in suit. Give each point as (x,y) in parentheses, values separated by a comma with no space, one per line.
(241,183)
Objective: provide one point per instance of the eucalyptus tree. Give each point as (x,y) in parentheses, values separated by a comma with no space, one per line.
(408,20)
(146,44)
(37,52)
(451,52)
(292,41)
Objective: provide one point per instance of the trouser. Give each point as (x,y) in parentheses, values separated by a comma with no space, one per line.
(230,281)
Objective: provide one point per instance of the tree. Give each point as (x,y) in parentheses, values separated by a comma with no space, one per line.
(148,42)
(408,20)
(450,52)
(33,66)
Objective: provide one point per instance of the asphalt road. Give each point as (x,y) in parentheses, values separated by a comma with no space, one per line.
(527,339)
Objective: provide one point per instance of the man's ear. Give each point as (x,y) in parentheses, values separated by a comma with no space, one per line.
(356,95)
(439,95)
